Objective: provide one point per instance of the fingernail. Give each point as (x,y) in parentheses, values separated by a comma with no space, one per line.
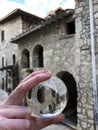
(48,73)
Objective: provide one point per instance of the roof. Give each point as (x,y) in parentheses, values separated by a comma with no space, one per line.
(54,12)
(18,12)
(53,19)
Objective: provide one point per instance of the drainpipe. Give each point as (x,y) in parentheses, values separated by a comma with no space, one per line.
(93,60)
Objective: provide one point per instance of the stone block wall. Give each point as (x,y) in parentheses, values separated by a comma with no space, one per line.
(12,28)
(60,54)
(9,51)
(68,53)
(86,99)
(95,8)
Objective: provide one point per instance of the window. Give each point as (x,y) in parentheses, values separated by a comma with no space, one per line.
(2,61)
(14,59)
(71,27)
(41,94)
(3,83)
(25,58)
(38,56)
(2,35)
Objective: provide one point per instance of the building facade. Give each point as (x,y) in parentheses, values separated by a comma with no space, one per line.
(66,44)
(47,46)
(87,36)
(15,23)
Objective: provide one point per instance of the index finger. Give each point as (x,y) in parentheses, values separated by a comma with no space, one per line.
(15,98)
(33,74)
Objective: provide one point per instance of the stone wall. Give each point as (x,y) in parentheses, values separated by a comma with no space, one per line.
(67,53)
(59,55)
(56,49)
(95,8)
(71,53)
(9,51)
(86,99)
(12,28)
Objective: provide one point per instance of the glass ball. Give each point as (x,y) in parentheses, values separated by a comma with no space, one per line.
(49,98)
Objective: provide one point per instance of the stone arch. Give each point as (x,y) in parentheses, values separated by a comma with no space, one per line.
(25,59)
(38,56)
(70,110)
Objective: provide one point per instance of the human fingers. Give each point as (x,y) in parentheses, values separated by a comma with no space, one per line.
(19,112)
(14,124)
(43,122)
(15,98)
(33,74)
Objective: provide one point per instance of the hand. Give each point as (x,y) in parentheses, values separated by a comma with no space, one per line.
(13,116)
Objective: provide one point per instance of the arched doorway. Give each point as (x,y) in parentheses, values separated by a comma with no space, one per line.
(70,110)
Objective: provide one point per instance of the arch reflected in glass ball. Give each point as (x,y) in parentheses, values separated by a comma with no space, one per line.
(49,98)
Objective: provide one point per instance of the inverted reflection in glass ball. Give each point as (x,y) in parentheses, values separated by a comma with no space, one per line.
(49,98)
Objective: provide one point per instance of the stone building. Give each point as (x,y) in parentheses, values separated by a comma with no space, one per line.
(47,46)
(65,43)
(87,36)
(15,23)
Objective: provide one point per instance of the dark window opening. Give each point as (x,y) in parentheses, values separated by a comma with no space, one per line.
(53,94)
(14,59)
(30,94)
(2,61)
(71,27)
(9,80)
(9,86)
(2,35)
(70,110)
(3,83)
(38,56)
(25,59)
(41,94)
